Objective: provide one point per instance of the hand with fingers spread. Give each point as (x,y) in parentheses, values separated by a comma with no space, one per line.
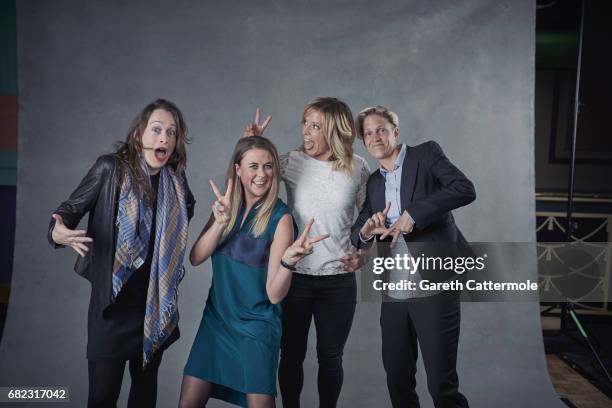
(353,261)
(375,225)
(302,246)
(222,207)
(255,129)
(403,225)
(75,239)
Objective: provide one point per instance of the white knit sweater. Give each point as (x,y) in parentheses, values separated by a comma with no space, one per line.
(332,198)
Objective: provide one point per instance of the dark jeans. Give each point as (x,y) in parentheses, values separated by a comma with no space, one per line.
(436,326)
(106,376)
(331,300)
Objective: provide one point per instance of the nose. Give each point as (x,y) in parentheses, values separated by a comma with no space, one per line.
(261,172)
(163,137)
(305,129)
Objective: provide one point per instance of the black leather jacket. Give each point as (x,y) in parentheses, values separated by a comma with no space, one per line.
(97,194)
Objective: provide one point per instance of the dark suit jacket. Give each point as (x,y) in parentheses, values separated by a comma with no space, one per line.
(431,188)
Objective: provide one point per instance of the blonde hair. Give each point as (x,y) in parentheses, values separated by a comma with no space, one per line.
(376,110)
(267,204)
(338,130)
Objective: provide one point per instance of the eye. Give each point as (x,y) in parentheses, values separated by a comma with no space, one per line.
(268,166)
(156,130)
(316,127)
(253,166)
(172,133)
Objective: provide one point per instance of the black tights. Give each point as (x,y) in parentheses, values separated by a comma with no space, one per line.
(196,392)
(331,300)
(106,376)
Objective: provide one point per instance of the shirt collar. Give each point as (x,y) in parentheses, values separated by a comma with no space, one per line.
(399,162)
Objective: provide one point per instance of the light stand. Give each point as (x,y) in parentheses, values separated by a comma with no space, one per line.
(568,307)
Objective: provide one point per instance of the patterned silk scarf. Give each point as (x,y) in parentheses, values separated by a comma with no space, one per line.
(134,219)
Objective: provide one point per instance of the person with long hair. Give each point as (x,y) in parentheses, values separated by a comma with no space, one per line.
(325,180)
(139,206)
(249,238)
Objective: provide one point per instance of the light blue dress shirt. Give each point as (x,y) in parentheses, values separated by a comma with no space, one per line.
(393,184)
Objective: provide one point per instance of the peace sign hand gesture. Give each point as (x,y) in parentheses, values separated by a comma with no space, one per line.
(255,129)
(302,246)
(76,239)
(403,225)
(375,225)
(222,207)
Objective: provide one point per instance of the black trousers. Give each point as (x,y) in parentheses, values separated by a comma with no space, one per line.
(435,324)
(331,301)
(106,376)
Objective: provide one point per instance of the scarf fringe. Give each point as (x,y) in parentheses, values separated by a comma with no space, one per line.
(166,317)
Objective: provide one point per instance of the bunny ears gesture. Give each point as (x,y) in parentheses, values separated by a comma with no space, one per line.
(255,129)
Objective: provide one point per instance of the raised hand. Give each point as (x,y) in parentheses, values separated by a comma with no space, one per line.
(75,239)
(255,129)
(403,225)
(222,207)
(302,246)
(375,225)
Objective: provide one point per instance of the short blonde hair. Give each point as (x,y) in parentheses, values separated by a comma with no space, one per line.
(376,110)
(338,130)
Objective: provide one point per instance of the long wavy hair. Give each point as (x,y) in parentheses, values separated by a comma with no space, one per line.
(338,130)
(129,152)
(267,203)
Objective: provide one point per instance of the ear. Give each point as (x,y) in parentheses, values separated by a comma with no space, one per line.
(396,133)
(237,168)
(135,135)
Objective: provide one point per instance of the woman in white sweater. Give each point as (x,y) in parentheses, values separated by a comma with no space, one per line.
(326,181)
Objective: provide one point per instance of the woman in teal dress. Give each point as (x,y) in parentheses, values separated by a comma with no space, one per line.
(249,237)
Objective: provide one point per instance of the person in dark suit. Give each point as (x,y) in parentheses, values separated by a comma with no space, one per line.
(409,200)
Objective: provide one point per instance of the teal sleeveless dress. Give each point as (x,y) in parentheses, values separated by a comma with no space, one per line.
(237,345)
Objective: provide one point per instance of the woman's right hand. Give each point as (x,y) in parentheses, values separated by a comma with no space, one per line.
(75,239)
(375,225)
(255,129)
(222,207)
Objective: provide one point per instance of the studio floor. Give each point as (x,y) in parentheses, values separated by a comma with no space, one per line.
(573,370)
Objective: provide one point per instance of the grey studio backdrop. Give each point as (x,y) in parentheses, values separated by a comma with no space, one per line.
(459,72)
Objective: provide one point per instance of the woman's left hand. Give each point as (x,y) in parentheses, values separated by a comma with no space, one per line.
(302,246)
(354,261)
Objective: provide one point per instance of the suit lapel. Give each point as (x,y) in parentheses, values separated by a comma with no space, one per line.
(378,193)
(409,175)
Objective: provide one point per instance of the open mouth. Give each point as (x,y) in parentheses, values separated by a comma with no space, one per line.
(308,144)
(161,154)
(260,183)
